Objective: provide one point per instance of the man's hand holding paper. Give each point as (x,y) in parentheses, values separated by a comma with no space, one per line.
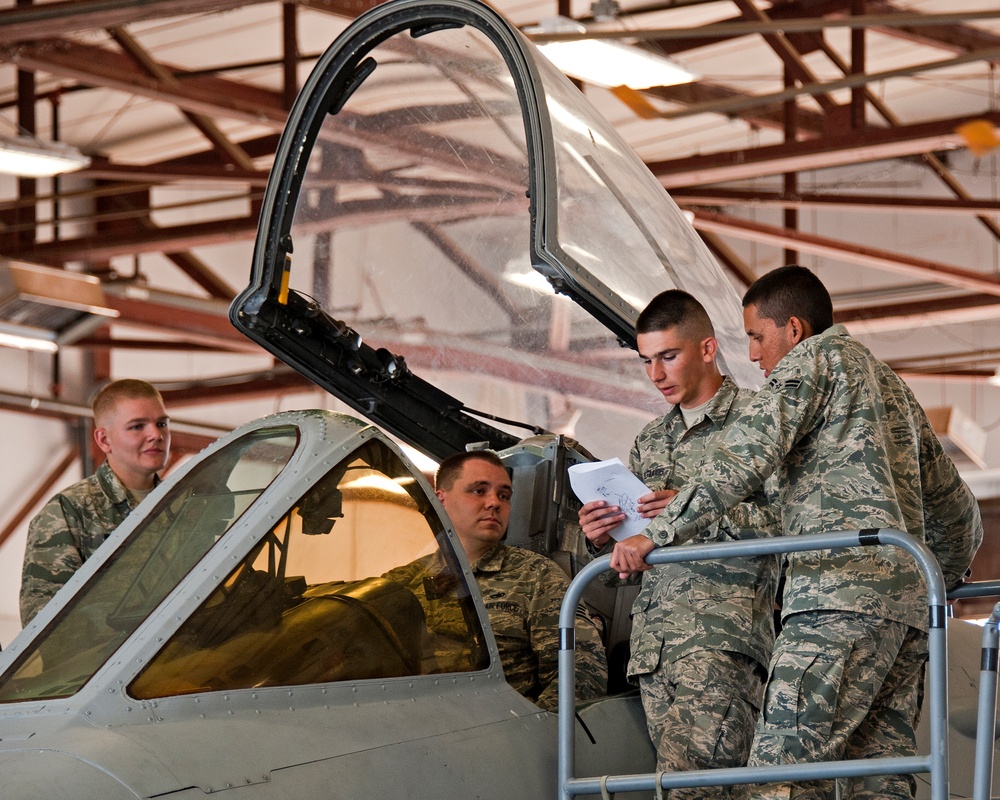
(653,503)
(617,490)
(602,518)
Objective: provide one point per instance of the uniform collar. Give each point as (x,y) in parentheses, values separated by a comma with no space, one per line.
(818,338)
(113,487)
(492,560)
(716,412)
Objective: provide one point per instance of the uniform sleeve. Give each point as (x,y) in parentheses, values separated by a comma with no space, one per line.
(635,460)
(543,621)
(789,406)
(51,555)
(952,521)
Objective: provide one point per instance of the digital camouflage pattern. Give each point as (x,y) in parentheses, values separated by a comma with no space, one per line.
(829,670)
(450,644)
(66,532)
(702,631)
(852,449)
(701,711)
(522,592)
(706,605)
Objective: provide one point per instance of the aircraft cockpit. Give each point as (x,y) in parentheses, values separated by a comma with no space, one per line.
(330,590)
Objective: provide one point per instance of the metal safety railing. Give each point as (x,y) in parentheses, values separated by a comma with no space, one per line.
(935,763)
(986,716)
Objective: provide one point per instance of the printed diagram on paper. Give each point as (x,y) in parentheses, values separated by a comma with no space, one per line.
(612,482)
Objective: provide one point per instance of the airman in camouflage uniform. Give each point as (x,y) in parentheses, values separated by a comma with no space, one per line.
(852,449)
(132,429)
(701,631)
(522,590)
(67,531)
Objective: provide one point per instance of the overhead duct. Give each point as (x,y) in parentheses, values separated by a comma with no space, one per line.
(42,308)
(961,437)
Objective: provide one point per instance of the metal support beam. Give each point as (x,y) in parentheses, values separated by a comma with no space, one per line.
(790,180)
(834,151)
(843,251)
(737,105)
(41,493)
(796,68)
(908,315)
(99,66)
(891,204)
(71,16)
(729,259)
(290,53)
(25,217)
(732,30)
(231,153)
(929,158)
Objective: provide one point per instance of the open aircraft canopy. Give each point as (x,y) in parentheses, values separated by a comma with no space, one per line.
(437,180)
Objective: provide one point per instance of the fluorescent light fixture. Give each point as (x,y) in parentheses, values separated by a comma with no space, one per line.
(21,342)
(28,157)
(607,63)
(42,308)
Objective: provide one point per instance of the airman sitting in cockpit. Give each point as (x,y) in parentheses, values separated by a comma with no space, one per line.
(522,590)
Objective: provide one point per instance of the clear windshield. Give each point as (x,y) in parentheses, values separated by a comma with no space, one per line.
(355,582)
(442,196)
(413,227)
(165,546)
(618,224)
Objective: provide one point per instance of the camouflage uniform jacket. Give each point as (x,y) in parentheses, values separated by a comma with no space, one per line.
(67,531)
(852,449)
(703,605)
(523,592)
(450,646)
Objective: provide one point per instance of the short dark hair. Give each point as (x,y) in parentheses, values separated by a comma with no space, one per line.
(452,466)
(791,291)
(675,309)
(109,396)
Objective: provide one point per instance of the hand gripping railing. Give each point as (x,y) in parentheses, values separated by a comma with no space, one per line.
(936,763)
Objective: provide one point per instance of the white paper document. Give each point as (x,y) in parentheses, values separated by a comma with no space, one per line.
(611,480)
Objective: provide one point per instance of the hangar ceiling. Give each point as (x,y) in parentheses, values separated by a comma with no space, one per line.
(824,132)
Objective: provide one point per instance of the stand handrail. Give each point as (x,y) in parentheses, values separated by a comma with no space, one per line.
(936,763)
(965,591)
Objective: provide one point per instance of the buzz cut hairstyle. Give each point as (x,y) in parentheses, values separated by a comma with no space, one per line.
(452,466)
(108,397)
(675,308)
(791,291)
